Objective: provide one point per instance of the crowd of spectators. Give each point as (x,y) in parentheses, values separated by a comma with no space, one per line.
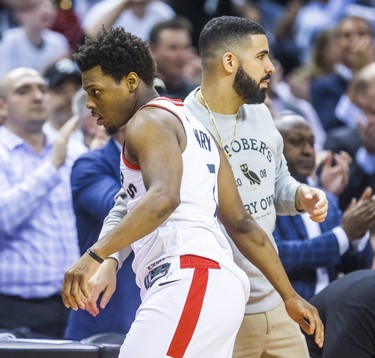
(324,55)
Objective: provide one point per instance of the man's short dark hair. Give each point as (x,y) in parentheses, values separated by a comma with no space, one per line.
(177,23)
(118,53)
(225,32)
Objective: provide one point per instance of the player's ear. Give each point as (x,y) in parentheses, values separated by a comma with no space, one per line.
(132,81)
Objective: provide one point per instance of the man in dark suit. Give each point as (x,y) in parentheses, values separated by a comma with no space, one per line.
(95,180)
(354,37)
(347,308)
(313,255)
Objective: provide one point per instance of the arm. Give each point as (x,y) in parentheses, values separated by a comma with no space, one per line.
(104,15)
(305,255)
(152,134)
(291,197)
(332,248)
(114,216)
(105,279)
(255,245)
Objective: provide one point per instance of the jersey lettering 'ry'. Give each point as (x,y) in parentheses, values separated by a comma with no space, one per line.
(204,139)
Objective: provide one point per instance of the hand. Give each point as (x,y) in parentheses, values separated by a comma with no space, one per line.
(75,286)
(306,316)
(313,201)
(60,145)
(104,280)
(359,215)
(193,68)
(334,178)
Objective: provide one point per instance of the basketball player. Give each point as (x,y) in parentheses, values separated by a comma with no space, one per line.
(193,294)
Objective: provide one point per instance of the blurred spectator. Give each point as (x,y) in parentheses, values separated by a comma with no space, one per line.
(64,80)
(355,40)
(32,44)
(283,46)
(136,16)
(325,54)
(170,44)
(68,23)
(81,7)
(347,309)
(352,110)
(38,237)
(95,180)
(358,135)
(313,254)
(314,17)
(199,12)
(7,19)
(291,94)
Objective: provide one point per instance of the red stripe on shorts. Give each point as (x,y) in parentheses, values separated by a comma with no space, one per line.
(193,305)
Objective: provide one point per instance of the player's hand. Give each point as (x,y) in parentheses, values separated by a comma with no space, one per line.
(104,280)
(306,316)
(75,286)
(313,201)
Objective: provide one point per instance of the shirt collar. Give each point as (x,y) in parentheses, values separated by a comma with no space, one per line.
(10,140)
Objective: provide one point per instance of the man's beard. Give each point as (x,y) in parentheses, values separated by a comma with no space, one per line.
(247,88)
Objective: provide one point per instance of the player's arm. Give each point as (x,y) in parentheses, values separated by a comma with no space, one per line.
(154,140)
(256,246)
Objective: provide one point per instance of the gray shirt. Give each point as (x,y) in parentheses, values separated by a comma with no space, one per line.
(263,180)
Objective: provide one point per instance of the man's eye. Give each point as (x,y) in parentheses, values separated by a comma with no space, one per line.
(96,92)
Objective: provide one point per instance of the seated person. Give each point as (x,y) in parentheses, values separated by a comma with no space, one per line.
(313,254)
(358,135)
(347,308)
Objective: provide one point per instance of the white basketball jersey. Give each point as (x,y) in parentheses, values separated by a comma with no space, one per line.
(193,227)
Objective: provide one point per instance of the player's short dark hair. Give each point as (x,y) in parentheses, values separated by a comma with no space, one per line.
(118,53)
(225,32)
(177,23)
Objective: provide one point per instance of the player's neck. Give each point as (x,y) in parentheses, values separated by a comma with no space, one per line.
(146,95)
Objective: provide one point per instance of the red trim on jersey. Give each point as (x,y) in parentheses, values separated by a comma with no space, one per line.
(177,102)
(129,165)
(157,105)
(193,305)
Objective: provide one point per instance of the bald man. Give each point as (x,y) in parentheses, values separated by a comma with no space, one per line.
(38,239)
(314,254)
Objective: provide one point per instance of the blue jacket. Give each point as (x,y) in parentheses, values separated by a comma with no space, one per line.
(301,256)
(325,92)
(95,180)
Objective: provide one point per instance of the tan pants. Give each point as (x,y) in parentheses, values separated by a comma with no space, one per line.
(270,334)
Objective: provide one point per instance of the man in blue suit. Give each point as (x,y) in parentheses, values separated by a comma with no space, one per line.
(355,42)
(314,254)
(95,180)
